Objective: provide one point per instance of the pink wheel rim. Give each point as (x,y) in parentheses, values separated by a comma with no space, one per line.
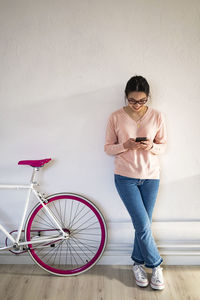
(87,265)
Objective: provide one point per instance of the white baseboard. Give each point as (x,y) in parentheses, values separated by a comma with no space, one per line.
(167,260)
(112,259)
(177,241)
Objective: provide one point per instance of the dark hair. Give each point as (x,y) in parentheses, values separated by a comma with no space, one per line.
(137,84)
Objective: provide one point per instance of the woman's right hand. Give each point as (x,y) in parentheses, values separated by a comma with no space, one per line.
(130,144)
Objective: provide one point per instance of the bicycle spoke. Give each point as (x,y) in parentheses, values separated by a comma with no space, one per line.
(86,222)
(66,253)
(86,246)
(56,255)
(83,251)
(51,250)
(70,213)
(74,215)
(84,239)
(62,223)
(83,217)
(78,255)
(71,222)
(41,223)
(60,212)
(52,224)
(45,224)
(65,210)
(93,234)
(60,253)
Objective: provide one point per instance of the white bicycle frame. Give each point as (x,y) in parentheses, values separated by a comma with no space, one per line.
(31,189)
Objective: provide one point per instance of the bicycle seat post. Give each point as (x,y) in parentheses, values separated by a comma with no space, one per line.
(35,169)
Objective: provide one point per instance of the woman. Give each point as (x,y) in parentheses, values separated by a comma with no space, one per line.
(137,171)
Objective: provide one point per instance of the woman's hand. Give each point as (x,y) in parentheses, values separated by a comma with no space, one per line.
(146,145)
(130,144)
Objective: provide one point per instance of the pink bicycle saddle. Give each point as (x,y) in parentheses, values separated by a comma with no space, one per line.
(34,163)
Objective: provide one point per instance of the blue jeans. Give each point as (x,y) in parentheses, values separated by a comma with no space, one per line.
(139,197)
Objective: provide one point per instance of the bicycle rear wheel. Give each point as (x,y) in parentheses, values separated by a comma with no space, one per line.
(84,223)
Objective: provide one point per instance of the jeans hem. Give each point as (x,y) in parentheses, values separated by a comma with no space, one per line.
(137,260)
(154,265)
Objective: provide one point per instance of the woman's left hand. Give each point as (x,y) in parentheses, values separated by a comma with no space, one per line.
(146,145)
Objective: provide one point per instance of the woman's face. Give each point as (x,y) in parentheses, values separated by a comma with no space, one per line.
(133,97)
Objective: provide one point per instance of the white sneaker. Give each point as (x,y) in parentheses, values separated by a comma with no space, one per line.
(157,281)
(140,275)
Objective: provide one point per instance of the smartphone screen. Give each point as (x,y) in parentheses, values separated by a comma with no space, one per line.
(140,139)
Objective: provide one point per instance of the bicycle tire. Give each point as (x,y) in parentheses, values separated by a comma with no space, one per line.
(63,258)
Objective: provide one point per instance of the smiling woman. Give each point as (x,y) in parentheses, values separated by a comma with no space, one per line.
(137,171)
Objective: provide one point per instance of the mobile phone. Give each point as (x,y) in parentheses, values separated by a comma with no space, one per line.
(140,139)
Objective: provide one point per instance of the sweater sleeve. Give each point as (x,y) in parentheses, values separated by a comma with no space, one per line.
(112,147)
(160,140)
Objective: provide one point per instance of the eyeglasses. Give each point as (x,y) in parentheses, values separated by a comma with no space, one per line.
(132,101)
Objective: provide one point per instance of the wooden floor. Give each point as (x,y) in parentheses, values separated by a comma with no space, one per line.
(27,282)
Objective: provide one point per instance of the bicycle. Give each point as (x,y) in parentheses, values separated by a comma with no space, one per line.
(65,233)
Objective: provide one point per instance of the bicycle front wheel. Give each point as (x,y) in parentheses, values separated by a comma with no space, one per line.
(84,223)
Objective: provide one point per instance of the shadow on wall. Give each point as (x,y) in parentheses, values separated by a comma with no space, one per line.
(59,126)
(179,200)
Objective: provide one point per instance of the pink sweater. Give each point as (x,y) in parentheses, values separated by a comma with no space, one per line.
(142,164)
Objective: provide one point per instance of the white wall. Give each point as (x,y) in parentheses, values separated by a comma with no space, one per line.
(63,69)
